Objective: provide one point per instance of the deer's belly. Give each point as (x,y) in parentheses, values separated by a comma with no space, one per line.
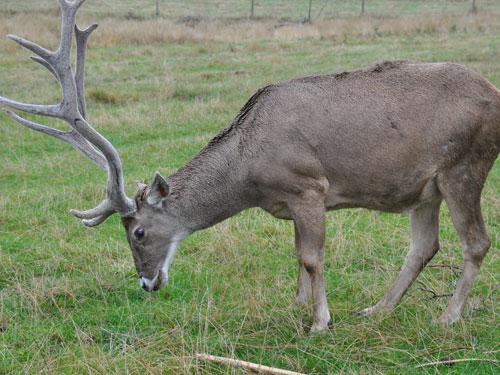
(391,199)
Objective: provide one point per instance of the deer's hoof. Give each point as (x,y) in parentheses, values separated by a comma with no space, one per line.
(373,310)
(369,311)
(318,329)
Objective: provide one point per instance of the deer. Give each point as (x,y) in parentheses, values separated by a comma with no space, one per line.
(399,136)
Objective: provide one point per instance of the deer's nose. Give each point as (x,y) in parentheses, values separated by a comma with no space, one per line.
(146,284)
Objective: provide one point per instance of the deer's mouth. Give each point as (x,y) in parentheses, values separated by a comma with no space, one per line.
(150,285)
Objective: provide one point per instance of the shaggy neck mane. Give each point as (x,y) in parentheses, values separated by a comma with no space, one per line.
(207,189)
(211,163)
(211,186)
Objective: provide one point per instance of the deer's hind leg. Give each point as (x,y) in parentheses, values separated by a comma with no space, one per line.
(424,222)
(461,188)
(304,291)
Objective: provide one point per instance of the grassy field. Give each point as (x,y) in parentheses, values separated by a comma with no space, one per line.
(69,297)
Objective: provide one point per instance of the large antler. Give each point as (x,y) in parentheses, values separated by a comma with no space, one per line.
(83,137)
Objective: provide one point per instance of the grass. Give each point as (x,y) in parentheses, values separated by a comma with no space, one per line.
(69,297)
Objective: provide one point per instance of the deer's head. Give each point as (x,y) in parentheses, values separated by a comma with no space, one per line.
(152,232)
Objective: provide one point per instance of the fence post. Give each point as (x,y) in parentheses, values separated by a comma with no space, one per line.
(474,8)
(309,12)
(252,9)
(362,7)
(157,8)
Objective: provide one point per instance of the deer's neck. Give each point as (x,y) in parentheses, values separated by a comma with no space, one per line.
(211,187)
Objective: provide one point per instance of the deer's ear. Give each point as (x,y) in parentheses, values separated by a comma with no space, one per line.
(159,190)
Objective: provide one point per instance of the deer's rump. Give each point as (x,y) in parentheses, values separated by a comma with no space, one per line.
(379,136)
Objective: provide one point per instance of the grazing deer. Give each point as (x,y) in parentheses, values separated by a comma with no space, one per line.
(397,136)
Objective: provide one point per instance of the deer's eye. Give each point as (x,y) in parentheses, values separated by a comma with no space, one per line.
(139,233)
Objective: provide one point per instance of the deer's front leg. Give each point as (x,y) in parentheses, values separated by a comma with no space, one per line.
(308,215)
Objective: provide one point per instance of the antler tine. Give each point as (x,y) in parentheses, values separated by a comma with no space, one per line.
(68,15)
(37,127)
(82,37)
(100,209)
(46,65)
(36,109)
(62,63)
(74,3)
(33,47)
(73,138)
(97,220)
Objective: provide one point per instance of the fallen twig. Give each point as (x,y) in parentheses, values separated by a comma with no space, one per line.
(440,265)
(247,365)
(453,361)
(434,294)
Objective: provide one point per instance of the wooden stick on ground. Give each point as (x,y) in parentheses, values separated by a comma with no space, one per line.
(453,361)
(247,365)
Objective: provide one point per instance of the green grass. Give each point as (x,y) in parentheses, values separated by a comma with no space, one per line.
(69,297)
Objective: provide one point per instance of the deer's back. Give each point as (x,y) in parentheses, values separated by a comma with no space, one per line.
(381,133)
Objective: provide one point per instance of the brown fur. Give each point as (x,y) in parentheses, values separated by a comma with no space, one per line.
(396,136)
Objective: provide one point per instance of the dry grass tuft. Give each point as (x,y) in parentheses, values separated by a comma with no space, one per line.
(115,32)
(105,97)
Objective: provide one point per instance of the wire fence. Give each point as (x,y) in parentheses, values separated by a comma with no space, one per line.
(293,10)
